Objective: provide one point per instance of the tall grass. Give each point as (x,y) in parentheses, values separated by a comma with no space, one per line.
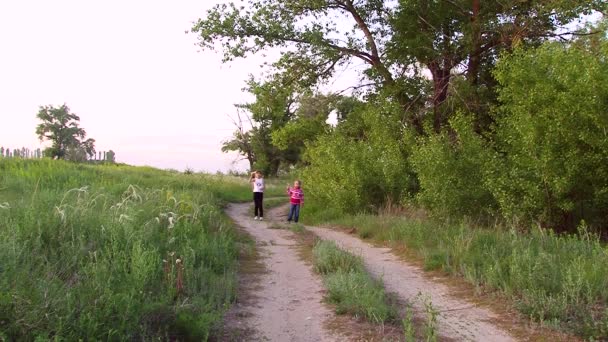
(560,280)
(350,288)
(113,252)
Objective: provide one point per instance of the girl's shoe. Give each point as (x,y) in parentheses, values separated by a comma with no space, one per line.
(261,219)
(255,218)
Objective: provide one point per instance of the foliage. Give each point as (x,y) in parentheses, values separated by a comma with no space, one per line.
(450,167)
(82,245)
(553,164)
(61,127)
(361,165)
(443,35)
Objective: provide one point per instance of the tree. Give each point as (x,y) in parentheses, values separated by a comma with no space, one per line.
(394,39)
(111,156)
(467,36)
(315,43)
(61,128)
(240,143)
(554,151)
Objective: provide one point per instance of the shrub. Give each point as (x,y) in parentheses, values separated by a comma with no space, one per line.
(362,165)
(552,136)
(450,170)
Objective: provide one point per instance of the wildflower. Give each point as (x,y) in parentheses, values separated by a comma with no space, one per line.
(171,223)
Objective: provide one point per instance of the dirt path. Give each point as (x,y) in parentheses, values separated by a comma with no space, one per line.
(457,320)
(288,296)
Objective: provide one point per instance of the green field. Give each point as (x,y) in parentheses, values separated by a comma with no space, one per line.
(114,252)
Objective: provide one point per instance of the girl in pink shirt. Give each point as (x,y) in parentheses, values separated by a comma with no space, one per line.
(296,199)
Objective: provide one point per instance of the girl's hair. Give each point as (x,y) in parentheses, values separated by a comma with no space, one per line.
(261,174)
(299,182)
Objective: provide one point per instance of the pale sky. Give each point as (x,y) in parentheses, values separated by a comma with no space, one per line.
(138,82)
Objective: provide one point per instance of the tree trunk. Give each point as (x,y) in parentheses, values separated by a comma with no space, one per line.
(475,56)
(441,82)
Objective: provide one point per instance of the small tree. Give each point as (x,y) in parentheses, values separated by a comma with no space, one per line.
(62,128)
(110,156)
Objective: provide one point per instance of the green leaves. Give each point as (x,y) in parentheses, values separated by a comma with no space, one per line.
(61,127)
(552,130)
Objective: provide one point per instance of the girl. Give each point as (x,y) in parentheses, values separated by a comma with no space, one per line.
(257,181)
(296,199)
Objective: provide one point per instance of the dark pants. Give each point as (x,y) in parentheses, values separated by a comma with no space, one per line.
(258,198)
(294,212)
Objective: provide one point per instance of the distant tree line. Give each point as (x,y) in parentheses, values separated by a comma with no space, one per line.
(26,153)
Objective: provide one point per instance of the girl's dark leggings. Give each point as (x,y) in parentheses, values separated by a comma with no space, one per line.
(258,198)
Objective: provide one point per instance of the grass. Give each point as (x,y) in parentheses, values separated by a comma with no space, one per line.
(349,287)
(558,280)
(113,252)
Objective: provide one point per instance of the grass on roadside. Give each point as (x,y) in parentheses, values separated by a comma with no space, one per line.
(350,288)
(558,280)
(111,252)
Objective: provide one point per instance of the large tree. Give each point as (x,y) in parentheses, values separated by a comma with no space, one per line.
(62,128)
(392,38)
(313,43)
(467,36)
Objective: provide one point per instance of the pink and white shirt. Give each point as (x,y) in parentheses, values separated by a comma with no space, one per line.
(296,195)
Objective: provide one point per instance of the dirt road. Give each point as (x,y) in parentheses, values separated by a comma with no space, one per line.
(288,296)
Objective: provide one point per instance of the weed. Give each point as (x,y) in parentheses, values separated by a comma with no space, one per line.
(328,258)
(409,332)
(82,245)
(349,286)
(430,326)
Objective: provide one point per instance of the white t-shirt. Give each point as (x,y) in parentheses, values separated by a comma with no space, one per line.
(258,185)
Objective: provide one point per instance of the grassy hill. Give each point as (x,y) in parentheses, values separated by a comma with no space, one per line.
(113,252)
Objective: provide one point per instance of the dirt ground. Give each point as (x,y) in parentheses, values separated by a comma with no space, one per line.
(283,299)
(287,302)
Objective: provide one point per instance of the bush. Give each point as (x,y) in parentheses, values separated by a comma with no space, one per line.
(450,170)
(552,136)
(362,165)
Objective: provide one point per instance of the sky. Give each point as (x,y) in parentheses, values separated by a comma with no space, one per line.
(139,83)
